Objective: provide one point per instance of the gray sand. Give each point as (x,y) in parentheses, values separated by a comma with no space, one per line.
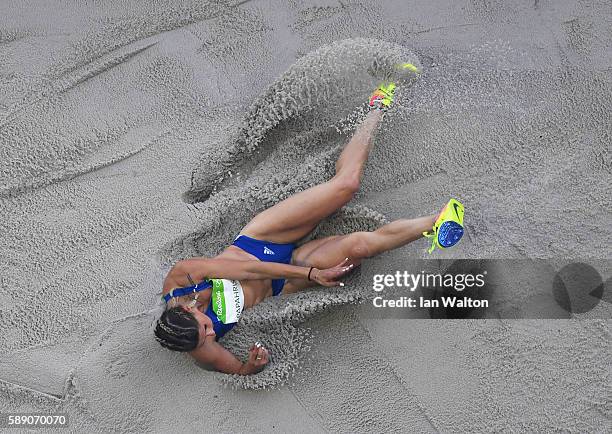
(135,136)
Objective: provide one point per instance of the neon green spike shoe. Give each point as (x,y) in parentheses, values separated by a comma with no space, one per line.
(448,228)
(382,97)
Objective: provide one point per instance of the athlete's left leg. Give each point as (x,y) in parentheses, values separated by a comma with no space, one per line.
(329,252)
(296,216)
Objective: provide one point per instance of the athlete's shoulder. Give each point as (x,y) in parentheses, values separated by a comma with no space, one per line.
(189,272)
(183,273)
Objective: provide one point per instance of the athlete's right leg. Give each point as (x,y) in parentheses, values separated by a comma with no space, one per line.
(296,216)
(329,252)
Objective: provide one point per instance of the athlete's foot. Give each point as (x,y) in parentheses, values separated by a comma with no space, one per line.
(448,227)
(382,97)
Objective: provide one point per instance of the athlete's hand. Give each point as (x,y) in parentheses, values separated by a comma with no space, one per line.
(258,358)
(329,276)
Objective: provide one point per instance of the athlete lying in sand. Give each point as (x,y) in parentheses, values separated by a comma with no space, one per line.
(205,296)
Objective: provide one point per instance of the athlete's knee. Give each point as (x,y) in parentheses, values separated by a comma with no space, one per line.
(360,245)
(347,184)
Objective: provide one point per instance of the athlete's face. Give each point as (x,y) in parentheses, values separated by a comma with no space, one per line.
(206,325)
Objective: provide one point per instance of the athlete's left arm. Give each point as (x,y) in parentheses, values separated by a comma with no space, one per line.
(213,355)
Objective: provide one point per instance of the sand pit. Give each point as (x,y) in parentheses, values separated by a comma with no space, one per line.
(135,136)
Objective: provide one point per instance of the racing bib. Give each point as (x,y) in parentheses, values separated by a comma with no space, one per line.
(227,300)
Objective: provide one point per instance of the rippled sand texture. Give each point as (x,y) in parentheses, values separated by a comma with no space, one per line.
(132,136)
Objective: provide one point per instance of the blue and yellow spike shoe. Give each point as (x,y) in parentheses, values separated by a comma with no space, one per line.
(448,228)
(382,97)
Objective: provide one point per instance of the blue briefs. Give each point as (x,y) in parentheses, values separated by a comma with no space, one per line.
(268,252)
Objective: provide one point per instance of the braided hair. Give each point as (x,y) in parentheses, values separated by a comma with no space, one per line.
(177,330)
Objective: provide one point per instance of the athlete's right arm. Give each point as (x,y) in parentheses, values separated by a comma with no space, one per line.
(214,355)
(201,268)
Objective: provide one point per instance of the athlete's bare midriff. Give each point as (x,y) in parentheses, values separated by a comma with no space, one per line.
(254,290)
(258,286)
